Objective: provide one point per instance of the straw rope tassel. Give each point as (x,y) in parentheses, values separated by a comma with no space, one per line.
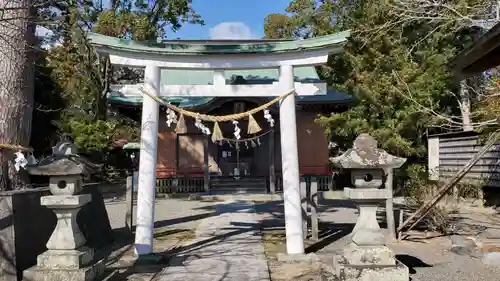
(181,125)
(217,133)
(253,126)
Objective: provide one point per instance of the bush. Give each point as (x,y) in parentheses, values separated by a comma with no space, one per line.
(418,189)
(414,179)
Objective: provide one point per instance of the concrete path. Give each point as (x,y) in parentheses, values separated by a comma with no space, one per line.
(228,247)
(174,213)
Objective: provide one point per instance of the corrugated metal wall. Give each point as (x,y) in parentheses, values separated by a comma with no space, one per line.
(457,149)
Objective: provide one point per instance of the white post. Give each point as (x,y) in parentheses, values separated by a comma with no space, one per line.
(433,158)
(290,167)
(389,204)
(147,165)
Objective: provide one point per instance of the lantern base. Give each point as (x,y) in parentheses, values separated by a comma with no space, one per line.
(355,272)
(88,273)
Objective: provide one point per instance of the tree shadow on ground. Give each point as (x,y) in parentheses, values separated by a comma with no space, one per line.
(273,212)
(174,221)
(123,242)
(412,262)
(179,256)
(329,234)
(325,203)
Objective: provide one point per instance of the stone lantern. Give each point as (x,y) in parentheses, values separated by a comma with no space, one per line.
(366,256)
(67,257)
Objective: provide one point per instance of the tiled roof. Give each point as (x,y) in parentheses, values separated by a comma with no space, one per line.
(206,47)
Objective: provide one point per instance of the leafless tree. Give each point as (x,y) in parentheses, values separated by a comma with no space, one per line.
(450,122)
(454,15)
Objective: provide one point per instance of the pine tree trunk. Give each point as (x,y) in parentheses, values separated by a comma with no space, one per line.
(17,36)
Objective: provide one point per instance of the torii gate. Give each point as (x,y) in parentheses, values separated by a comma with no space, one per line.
(212,55)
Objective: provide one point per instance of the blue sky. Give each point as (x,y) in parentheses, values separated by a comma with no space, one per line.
(225,19)
(230,19)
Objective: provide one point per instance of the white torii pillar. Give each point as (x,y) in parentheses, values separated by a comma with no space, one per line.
(146,192)
(290,166)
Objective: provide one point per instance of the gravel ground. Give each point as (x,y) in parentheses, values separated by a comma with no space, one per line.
(460,268)
(428,259)
(437,262)
(432,260)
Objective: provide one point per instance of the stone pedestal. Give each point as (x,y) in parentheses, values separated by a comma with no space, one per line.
(66,258)
(366,257)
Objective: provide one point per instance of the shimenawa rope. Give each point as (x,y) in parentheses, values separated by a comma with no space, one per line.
(14,147)
(212,118)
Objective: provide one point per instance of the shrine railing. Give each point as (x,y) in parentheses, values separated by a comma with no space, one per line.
(180,184)
(325,182)
(191,180)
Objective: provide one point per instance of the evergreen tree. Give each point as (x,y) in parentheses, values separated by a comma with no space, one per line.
(83,77)
(394,67)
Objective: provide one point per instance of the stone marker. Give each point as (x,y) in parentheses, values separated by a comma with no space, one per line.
(366,257)
(129,199)
(67,257)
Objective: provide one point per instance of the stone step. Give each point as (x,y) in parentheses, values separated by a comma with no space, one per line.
(240,190)
(233,185)
(244,185)
(238,183)
(241,180)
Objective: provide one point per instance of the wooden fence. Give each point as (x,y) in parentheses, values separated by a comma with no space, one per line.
(447,153)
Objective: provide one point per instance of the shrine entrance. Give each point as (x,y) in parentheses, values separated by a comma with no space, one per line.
(216,59)
(237,161)
(248,155)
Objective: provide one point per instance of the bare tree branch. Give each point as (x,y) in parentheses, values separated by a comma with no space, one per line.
(448,122)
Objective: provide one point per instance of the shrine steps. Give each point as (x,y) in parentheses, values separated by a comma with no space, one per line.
(243,185)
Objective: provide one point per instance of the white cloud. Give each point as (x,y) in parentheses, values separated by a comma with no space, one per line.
(231,30)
